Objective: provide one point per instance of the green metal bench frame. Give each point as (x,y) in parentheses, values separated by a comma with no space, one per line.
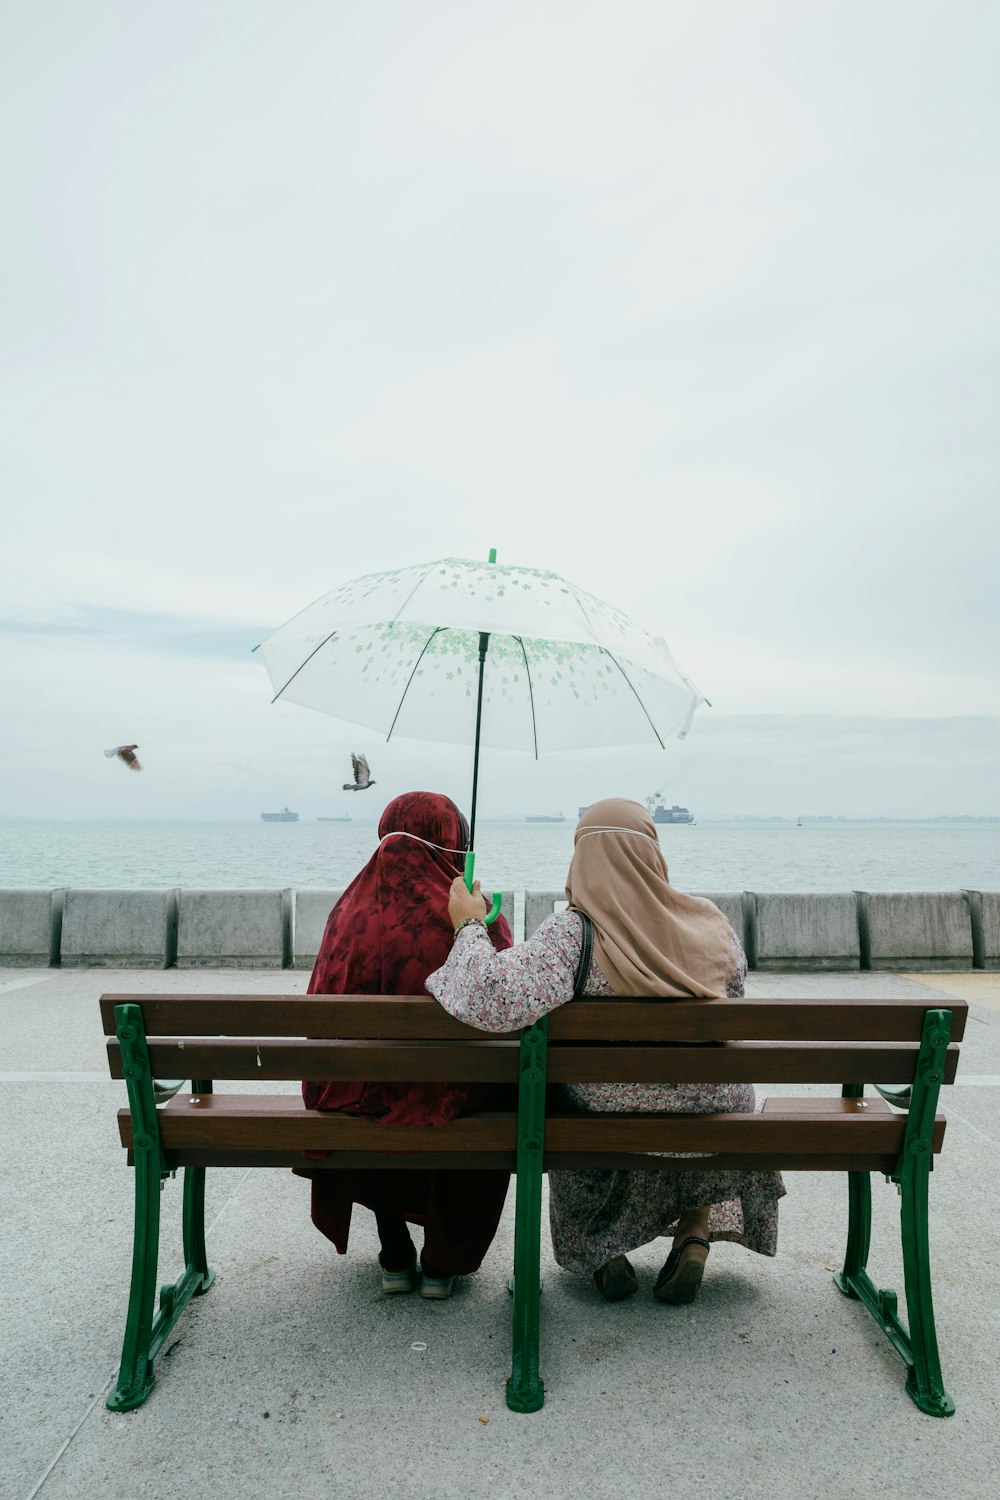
(146,1332)
(918,1346)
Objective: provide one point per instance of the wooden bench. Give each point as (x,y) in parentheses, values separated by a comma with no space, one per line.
(848,1043)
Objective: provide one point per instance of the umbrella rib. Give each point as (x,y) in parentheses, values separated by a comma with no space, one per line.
(583,610)
(637,698)
(436,631)
(531,694)
(422,579)
(302,664)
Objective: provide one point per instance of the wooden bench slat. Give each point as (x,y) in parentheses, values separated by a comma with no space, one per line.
(505,1161)
(490,1060)
(280,1122)
(420,1017)
(777,1020)
(866,1159)
(400,1017)
(742,1062)
(737,1134)
(721,1161)
(256,1121)
(463,1161)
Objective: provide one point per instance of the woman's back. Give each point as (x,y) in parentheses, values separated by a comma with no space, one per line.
(650,941)
(385,935)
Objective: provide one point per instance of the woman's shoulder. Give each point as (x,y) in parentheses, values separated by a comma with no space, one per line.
(561,927)
(558,939)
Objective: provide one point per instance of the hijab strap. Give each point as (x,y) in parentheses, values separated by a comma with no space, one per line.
(585,833)
(401,833)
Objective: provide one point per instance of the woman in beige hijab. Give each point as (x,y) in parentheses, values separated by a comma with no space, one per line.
(648,939)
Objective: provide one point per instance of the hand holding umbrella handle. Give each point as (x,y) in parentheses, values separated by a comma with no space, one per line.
(470,870)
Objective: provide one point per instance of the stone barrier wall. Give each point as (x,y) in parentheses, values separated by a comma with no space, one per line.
(238,929)
(312,907)
(788,931)
(986,928)
(802,930)
(119,929)
(31,927)
(917,929)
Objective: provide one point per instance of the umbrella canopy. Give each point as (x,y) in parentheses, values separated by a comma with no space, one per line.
(399,652)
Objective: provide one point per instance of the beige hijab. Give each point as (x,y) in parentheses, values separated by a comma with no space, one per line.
(649,938)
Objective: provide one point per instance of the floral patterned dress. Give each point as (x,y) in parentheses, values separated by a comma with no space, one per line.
(597,1215)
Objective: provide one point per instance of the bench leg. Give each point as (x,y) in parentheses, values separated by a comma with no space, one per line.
(859,1230)
(144,1335)
(859,1217)
(923,1382)
(193,1224)
(197,1277)
(525,1388)
(135,1377)
(195,1255)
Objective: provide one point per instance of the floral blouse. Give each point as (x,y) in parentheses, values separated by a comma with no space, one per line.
(596,1215)
(505,991)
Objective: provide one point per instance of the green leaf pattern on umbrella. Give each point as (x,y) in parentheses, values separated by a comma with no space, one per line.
(398,651)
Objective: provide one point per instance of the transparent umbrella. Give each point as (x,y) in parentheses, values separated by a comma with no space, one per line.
(481,654)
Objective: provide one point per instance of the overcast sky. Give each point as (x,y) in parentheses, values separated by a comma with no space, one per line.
(694,303)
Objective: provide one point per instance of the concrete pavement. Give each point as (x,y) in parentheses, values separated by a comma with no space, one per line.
(295,1377)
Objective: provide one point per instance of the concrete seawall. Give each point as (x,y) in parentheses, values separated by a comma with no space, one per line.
(282,929)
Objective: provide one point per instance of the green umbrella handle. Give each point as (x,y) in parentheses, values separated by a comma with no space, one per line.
(470,870)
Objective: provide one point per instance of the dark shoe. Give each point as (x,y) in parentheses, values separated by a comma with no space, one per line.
(680,1278)
(617,1280)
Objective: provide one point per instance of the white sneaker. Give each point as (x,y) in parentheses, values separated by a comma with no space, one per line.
(399,1281)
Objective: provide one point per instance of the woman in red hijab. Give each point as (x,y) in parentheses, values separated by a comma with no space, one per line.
(388,931)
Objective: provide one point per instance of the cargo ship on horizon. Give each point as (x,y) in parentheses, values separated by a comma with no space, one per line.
(658,809)
(661,813)
(284,816)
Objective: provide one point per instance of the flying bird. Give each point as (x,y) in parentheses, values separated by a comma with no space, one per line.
(362,775)
(126,754)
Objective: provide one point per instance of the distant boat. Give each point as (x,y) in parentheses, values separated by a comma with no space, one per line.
(798,822)
(546,818)
(661,813)
(283,817)
(345,819)
(581,810)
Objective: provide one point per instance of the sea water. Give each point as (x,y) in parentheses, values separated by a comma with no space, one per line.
(705,856)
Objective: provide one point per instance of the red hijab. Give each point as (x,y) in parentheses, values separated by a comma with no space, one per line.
(388,931)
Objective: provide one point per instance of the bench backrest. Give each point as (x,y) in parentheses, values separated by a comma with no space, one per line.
(410,1038)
